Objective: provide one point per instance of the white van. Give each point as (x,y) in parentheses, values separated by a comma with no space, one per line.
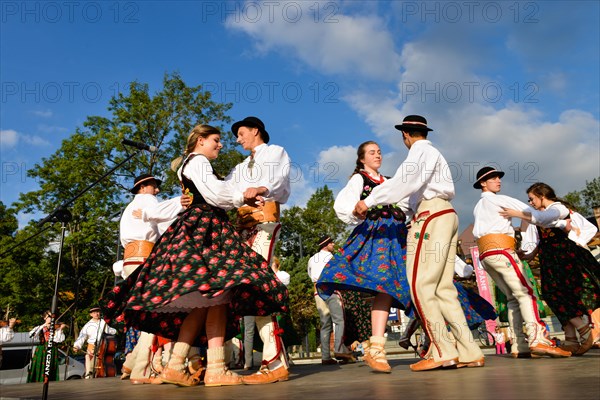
(16,357)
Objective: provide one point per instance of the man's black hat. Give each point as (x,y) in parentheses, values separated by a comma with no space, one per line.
(251,122)
(486,173)
(141,179)
(324,241)
(413,123)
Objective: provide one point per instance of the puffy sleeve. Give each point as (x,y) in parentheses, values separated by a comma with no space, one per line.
(347,199)
(163,211)
(550,216)
(59,336)
(582,231)
(215,191)
(529,239)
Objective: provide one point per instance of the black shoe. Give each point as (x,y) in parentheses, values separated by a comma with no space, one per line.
(405,343)
(331,361)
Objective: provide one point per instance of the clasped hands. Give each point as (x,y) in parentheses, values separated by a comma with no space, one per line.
(254,196)
(360,210)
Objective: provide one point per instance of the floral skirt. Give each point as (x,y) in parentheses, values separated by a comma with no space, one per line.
(570,278)
(357,316)
(200,252)
(373,260)
(476,308)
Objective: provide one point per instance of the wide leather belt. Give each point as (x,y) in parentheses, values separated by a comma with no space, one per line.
(495,241)
(138,248)
(248,216)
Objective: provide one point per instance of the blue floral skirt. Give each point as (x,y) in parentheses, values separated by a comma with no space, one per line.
(372,260)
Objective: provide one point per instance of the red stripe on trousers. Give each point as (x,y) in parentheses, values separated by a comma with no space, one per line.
(524,281)
(415,270)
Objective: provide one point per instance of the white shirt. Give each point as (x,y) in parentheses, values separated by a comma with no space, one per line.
(316,264)
(216,192)
(131,228)
(424,175)
(89,333)
(487,214)
(347,199)
(59,335)
(6,334)
(163,213)
(271,169)
(499,336)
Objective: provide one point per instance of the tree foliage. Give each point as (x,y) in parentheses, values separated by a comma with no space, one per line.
(164,120)
(301,230)
(587,198)
(27,273)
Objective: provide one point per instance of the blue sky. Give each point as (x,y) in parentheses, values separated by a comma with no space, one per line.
(515,84)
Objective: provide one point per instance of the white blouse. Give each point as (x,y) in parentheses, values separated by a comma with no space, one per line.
(59,335)
(216,192)
(548,218)
(347,198)
(552,217)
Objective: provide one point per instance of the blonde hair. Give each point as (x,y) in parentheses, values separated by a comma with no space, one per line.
(199,131)
(275,263)
(196,133)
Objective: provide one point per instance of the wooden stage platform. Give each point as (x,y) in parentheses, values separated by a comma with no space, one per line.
(501,378)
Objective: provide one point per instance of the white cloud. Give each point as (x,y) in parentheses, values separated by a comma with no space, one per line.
(10,138)
(43,128)
(302,189)
(43,114)
(356,45)
(336,165)
(464,88)
(35,140)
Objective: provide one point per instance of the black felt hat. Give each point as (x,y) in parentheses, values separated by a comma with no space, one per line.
(324,241)
(413,123)
(141,179)
(251,122)
(486,173)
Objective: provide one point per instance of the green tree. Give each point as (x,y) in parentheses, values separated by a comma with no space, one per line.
(301,230)
(27,270)
(587,198)
(302,227)
(164,120)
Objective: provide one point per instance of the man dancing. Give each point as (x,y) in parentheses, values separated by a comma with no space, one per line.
(263,176)
(495,237)
(424,179)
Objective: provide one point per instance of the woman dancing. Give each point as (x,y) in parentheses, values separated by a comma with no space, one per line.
(199,274)
(569,273)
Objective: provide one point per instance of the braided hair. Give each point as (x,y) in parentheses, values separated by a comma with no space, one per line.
(361,155)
